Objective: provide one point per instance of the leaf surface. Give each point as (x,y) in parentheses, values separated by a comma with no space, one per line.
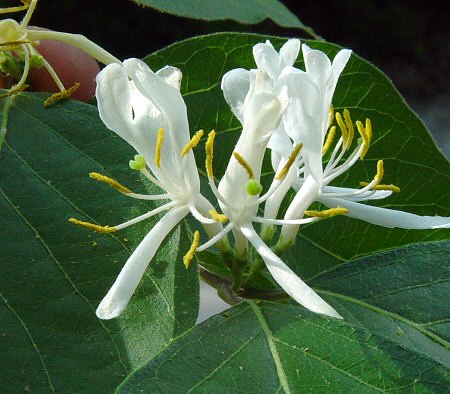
(54,274)
(386,342)
(247,12)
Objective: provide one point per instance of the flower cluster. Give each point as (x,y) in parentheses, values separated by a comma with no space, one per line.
(282,109)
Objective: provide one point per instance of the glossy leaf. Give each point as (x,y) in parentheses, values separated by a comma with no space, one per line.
(411,158)
(248,12)
(389,340)
(54,274)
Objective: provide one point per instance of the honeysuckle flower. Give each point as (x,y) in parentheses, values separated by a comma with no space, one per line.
(23,41)
(258,101)
(308,120)
(147,110)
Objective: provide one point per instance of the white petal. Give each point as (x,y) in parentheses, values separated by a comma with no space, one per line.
(339,63)
(123,288)
(164,97)
(287,279)
(235,86)
(289,52)
(317,64)
(280,144)
(114,101)
(171,75)
(267,59)
(387,217)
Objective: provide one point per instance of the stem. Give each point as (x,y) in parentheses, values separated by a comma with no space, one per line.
(76,40)
(255,267)
(261,294)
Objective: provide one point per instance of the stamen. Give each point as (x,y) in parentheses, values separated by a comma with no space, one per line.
(192,143)
(329,140)
(92,226)
(54,98)
(331,115)
(159,142)
(219,217)
(244,164)
(328,213)
(350,128)
(343,128)
(7,10)
(13,45)
(14,90)
(111,182)
(209,147)
(190,253)
(366,135)
(290,161)
(391,188)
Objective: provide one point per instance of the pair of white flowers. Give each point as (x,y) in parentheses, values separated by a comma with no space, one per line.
(281,108)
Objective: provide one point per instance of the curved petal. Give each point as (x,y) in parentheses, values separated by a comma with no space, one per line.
(235,86)
(287,279)
(164,97)
(171,75)
(289,52)
(387,217)
(123,288)
(114,101)
(317,64)
(339,63)
(267,59)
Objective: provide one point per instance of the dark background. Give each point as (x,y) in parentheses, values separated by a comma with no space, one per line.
(408,40)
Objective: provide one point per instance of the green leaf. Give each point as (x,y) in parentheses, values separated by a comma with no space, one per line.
(248,12)
(388,341)
(411,158)
(54,274)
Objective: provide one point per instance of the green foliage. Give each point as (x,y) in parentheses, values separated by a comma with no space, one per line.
(390,339)
(248,12)
(54,274)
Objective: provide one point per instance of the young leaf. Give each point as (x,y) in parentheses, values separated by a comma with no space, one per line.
(54,274)
(389,339)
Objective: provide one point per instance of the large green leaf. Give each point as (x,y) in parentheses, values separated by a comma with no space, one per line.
(54,274)
(248,12)
(411,158)
(391,303)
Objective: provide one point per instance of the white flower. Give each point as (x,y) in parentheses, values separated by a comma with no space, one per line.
(258,101)
(307,120)
(18,38)
(147,110)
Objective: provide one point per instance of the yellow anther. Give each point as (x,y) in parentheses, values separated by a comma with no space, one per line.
(369,129)
(331,114)
(7,10)
(159,142)
(54,98)
(209,147)
(220,217)
(190,253)
(14,90)
(343,128)
(244,164)
(289,162)
(328,213)
(380,172)
(92,226)
(192,143)
(111,182)
(350,128)
(365,135)
(329,140)
(391,188)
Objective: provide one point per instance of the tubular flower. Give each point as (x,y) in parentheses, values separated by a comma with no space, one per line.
(258,101)
(309,120)
(18,42)
(147,110)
